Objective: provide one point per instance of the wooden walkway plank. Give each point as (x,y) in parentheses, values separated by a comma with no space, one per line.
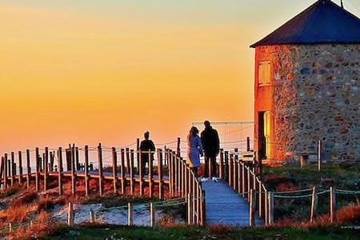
(226,207)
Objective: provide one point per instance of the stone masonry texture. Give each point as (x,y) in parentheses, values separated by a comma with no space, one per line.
(316,96)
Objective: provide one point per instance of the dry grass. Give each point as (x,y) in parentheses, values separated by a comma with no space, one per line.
(346,215)
(18,214)
(39,228)
(25,198)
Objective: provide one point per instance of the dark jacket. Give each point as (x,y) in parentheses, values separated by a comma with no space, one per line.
(147,145)
(210,141)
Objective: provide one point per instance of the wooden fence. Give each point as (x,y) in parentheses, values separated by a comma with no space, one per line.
(244,178)
(124,168)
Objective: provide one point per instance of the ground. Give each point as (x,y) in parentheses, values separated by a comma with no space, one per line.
(292,178)
(19,207)
(222,233)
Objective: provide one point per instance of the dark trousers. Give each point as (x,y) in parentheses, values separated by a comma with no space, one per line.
(210,166)
(195,171)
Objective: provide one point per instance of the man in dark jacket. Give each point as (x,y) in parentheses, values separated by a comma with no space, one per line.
(211,145)
(146,146)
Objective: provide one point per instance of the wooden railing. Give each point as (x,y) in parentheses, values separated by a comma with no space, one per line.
(244,178)
(183,180)
(166,172)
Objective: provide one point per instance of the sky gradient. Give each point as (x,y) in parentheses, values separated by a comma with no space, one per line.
(107,70)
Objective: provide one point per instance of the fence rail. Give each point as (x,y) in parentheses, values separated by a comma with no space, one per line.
(127,169)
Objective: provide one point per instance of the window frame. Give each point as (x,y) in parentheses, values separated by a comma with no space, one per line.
(260,75)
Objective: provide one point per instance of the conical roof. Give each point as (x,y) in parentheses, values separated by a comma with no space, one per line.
(324,22)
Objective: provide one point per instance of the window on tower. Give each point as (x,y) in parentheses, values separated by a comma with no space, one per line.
(265,73)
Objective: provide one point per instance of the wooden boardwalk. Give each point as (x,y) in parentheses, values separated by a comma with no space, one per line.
(226,207)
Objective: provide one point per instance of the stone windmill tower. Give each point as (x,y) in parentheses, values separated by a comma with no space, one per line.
(307,86)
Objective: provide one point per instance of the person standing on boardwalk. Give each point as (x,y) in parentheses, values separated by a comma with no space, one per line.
(194,149)
(145,146)
(211,143)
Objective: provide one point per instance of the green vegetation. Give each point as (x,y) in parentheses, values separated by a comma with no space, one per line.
(343,176)
(292,178)
(222,233)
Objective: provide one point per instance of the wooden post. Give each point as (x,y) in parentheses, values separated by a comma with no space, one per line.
(141,170)
(221,165)
(314,203)
(9,169)
(239,180)
(28,169)
(77,159)
(248,182)
(92,216)
(183,178)
(73,174)
(10,228)
(266,207)
(20,168)
(175,172)
(235,172)
(52,160)
(178,147)
(132,172)
(114,169)
(194,197)
(101,174)
(198,205)
(138,155)
(189,208)
(248,144)
(271,208)
(70,220)
(122,171)
(319,156)
(13,170)
(252,207)
(5,171)
(332,205)
(128,160)
(86,153)
(68,158)
(150,174)
(260,199)
(231,166)
(226,169)
(152,215)
(203,209)
(160,172)
(2,172)
(171,178)
(130,214)
(60,171)
(37,183)
(46,160)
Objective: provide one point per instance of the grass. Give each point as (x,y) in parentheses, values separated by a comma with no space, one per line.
(192,233)
(288,178)
(342,176)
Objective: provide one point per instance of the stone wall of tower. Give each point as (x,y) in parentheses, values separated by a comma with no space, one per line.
(315,96)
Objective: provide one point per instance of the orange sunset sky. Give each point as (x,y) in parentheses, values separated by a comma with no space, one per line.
(107,70)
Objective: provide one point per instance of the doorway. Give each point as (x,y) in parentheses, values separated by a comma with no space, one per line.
(264,137)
